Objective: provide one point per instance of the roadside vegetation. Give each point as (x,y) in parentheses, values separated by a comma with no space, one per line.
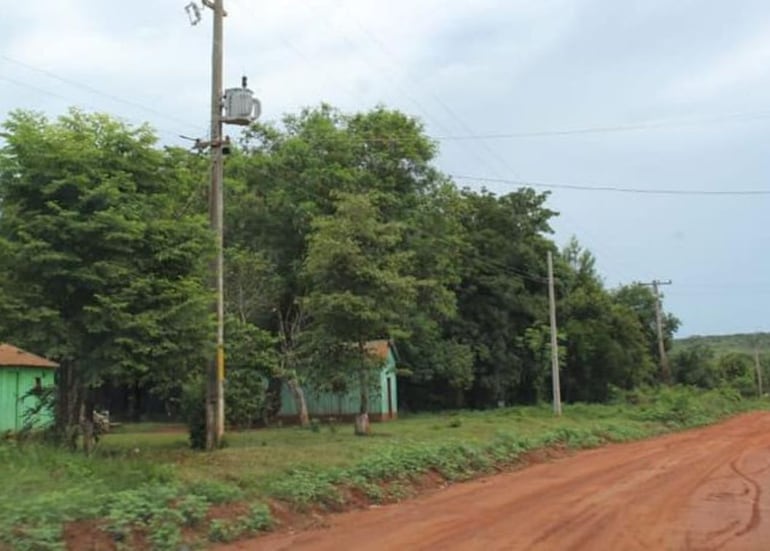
(736,360)
(340,230)
(745,343)
(146,489)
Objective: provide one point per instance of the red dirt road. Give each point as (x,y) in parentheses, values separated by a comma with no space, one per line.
(705,489)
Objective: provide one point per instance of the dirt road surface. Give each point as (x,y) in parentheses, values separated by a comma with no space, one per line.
(705,489)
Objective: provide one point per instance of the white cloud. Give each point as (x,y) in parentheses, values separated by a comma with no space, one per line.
(353,54)
(500,65)
(747,63)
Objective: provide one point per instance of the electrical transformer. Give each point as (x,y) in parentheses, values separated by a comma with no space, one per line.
(241,107)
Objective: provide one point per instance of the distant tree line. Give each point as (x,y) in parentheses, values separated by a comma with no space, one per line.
(339,230)
(705,364)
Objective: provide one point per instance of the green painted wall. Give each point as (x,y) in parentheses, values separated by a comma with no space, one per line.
(328,404)
(8,379)
(15,382)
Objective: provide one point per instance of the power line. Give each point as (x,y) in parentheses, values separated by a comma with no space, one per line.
(648,125)
(614,189)
(470,136)
(475,136)
(404,92)
(77,103)
(519,183)
(98,92)
(447,109)
(480,138)
(35,88)
(393,84)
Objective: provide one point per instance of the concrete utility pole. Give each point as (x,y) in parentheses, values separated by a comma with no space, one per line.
(554,340)
(241,108)
(758,367)
(665,371)
(215,371)
(215,421)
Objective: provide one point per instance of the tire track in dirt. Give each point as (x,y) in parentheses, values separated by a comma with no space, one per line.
(697,490)
(754,520)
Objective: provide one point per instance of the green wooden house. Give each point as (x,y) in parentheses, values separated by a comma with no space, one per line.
(383,398)
(20,373)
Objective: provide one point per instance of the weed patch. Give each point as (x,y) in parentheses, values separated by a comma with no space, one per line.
(258,519)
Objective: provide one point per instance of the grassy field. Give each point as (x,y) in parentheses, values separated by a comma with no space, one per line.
(145,488)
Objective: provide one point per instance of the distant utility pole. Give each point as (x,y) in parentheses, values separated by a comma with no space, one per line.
(241,109)
(554,340)
(757,366)
(665,370)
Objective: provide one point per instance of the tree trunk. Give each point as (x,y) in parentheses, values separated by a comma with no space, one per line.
(299,401)
(272,400)
(136,413)
(362,425)
(362,419)
(69,400)
(87,423)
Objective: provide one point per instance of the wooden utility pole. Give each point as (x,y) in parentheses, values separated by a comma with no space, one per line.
(215,400)
(665,370)
(554,340)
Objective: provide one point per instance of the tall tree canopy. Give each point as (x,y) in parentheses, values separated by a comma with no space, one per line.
(475,332)
(288,178)
(339,229)
(103,266)
(604,340)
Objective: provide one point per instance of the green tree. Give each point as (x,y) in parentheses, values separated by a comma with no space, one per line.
(641,300)
(605,341)
(288,175)
(105,268)
(696,365)
(738,370)
(251,361)
(360,286)
(439,366)
(502,292)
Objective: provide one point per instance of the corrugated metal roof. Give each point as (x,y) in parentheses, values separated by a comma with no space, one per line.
(10,356)
(378,348)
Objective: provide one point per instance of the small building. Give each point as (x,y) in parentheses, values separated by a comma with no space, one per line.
(383,396)
(21,373)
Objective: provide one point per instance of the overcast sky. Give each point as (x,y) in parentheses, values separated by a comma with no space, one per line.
(681,88)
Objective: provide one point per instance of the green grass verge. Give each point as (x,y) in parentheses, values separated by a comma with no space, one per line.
(151,483)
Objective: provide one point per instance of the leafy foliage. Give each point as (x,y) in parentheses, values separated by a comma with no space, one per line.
(340,230)
(606,344)
(361,286)
(741,342)
(709,366)
(251,360)
(104,271)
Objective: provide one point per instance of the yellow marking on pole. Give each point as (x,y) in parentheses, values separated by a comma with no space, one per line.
(221,363)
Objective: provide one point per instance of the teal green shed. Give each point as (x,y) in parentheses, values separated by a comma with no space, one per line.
(21,374)
(383,398)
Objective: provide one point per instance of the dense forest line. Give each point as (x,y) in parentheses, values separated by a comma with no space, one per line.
(717,360)
(340,229)
(739,342)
